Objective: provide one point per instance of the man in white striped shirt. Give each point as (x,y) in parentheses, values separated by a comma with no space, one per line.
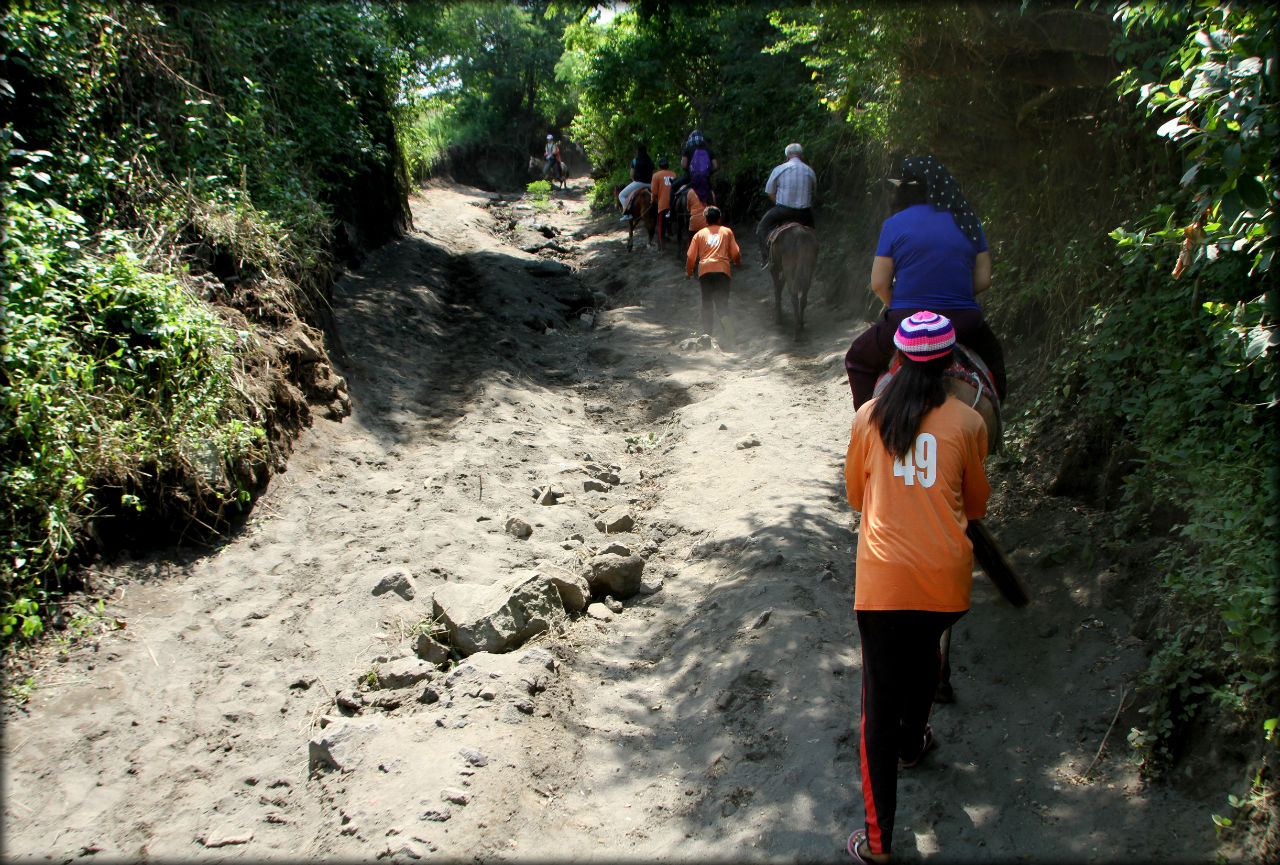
(790,188)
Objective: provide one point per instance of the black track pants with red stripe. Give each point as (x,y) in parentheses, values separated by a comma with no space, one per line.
(900,669)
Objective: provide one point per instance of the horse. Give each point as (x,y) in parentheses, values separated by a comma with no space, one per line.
(553,171)
(793,250)
(969,380)
(641,209)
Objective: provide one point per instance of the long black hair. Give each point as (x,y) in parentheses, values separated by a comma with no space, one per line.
(915,390)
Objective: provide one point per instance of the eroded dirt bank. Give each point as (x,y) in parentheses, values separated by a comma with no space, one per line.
(712,720)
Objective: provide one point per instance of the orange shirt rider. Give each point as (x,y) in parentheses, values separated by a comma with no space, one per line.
(711,251)
(921,559)
(661,187)
(697,219)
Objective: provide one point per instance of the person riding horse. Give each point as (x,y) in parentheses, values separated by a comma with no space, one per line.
(551,155)
(932,255)
(790,188)
(641,176)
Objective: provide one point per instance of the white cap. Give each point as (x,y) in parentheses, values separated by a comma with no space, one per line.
(549,137)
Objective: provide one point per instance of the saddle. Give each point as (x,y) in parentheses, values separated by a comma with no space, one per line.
(966,367)
(783,227)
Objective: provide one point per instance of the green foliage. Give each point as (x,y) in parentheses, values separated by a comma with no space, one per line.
(1217,87)
(1196,389)
(654,74)
(540,191)
(142,140)
(476,74)
(108,370)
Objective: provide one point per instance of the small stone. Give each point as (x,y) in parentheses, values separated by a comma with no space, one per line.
(518,528)
(599,611)
(454,795)
(762,619)
(399,581)
(429,650)
(615,606)
(595,486)
(651,585)
(437,815)
(474,756)
(615,520)
(748,442)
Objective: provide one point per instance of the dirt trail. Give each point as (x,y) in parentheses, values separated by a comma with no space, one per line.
(714,719)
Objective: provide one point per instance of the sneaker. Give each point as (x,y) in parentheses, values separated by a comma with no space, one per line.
(626,217)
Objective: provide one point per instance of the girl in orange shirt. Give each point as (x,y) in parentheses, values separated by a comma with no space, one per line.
(914,469)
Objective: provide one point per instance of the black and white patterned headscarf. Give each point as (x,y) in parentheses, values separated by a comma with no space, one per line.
(942,192)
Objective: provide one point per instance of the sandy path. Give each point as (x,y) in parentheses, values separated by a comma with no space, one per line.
(712,720)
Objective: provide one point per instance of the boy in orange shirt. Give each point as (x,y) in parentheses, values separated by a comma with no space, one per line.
(713,251)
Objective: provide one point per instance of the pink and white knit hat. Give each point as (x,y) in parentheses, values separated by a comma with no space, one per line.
(925,336)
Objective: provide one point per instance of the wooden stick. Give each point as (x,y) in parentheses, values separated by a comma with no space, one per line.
(1123,694)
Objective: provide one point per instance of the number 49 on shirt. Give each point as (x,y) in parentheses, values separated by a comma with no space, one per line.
(920,463)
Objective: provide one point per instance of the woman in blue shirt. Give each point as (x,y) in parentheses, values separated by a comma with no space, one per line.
(932,255)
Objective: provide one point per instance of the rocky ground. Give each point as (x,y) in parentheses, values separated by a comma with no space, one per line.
(535,427)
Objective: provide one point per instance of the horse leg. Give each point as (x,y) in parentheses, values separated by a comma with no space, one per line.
(945,693)
(775,274)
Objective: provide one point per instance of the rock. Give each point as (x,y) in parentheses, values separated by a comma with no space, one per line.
(429,695)
(341,745)
(609,573)
(494,618)
(693,342)
(546,267)
(617,549)
(615,520)
(748,442)
(399,581)
(303,340)
(574,591)
(225,837)
(615,606)
(651,585)
(405,673)
(387,700)
(474,756)
(762,619)
(599,611)
(605,476)
(536,657)
(454,795)
(437,815)
(547,495)
(406,850)
(426,648)
(518,528)
(595,486)
(352,702)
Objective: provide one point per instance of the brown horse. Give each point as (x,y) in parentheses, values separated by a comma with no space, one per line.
(642,210)
(793,252)
(969,381)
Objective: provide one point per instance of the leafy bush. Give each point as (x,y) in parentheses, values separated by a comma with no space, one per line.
(109,372)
